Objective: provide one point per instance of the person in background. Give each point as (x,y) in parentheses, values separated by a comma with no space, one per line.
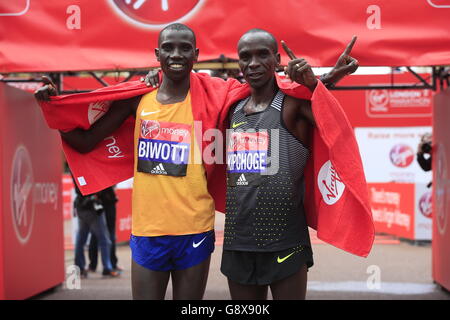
(91,218)
(109,200)
(424,152)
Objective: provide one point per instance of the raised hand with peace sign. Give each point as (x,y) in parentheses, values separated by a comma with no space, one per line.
(344,66)
(299,70)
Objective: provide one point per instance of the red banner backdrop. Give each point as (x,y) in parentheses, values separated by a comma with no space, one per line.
(31,221)
(386,108)
(121,34)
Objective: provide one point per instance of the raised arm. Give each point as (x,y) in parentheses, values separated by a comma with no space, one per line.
(85,140)
(345,65)
(297,113)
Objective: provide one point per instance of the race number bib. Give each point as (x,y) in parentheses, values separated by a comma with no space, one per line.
(163,148)
(247,157)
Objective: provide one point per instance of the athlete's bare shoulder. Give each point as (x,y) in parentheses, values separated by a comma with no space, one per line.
(298,108)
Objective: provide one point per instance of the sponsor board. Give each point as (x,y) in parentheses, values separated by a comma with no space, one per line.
(389,154)
(393,208)
(130,21)
(441,190)
(152,14)
(410,103)
(31,198)
(389,158)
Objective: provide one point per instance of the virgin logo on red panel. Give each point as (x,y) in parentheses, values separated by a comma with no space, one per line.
(22,201)
(401,155)
(379,99)
(153,14)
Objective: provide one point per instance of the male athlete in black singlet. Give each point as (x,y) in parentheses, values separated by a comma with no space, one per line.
(266,240)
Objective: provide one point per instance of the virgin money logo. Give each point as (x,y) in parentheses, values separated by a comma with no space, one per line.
(97,110)
(379,100)
(439,3)
(22,195)
(401,155)
(425,204)
(150,129)
(330,185)
(155,14)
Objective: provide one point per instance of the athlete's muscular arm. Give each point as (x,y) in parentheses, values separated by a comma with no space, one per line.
(85,140)
(298,118)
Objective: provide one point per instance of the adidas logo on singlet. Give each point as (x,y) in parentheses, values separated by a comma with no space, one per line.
(241,181)
(159,169)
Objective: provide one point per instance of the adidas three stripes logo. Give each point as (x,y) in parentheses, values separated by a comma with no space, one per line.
(159,169)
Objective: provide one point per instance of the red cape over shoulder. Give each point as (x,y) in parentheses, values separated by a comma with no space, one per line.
(336,199)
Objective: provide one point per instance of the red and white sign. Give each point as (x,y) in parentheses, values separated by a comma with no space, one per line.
(123,218)
(66,35)
(386,108)
(397,103)
(393,208)
(389,157)
(31,218)
(389,154)
(155,14)
(441,190)
(68,196)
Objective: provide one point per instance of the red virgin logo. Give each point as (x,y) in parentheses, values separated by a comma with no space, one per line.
(22,197)
(401,155)
(150,129)
(425,204)
(154,14)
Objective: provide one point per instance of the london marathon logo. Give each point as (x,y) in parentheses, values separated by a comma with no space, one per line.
(155,14)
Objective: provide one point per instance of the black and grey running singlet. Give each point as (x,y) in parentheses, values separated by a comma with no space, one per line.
(265,185)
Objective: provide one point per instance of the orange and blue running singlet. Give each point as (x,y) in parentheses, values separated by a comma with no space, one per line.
(170,195)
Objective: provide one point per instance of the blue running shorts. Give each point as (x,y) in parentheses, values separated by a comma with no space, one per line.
(167,253)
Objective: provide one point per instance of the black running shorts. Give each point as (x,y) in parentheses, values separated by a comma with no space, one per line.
(263,268)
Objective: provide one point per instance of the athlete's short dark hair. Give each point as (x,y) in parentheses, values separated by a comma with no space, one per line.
(177,27)
(273,40)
